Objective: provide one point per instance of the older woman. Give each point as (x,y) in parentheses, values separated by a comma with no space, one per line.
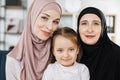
(100,54)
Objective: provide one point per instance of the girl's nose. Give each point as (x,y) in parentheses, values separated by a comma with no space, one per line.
(66,54)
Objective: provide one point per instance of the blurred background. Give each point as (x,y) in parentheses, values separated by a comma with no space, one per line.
(13,17)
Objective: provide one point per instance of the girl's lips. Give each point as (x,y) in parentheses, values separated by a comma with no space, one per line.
(45,33)
(66,59)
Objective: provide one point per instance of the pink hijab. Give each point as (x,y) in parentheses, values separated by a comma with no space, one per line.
(30,51)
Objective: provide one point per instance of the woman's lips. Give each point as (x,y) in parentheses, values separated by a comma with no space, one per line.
(46,33)
(90,36)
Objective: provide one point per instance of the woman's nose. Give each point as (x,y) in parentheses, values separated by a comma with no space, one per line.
(50,25)
(90,28)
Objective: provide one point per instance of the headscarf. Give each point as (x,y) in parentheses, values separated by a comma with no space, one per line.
(32,52)
(102,58)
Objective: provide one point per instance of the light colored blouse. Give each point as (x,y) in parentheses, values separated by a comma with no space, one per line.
(56,71)
(13,69)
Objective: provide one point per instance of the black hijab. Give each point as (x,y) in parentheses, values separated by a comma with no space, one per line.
(102,58)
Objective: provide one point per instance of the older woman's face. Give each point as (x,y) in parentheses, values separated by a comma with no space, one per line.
(46,23)
(90,28)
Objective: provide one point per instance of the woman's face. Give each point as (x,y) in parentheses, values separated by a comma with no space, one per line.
(90,28)
(46,23)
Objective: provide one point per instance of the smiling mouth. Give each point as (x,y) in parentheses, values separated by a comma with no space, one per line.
(90,36)
(46,33)
(66,59)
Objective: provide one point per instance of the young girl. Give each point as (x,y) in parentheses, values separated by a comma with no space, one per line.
(65,48)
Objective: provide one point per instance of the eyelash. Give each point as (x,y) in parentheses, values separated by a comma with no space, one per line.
(60,50)
(96,23)
(72,49)
(83,23)
(56,22)
(45,18)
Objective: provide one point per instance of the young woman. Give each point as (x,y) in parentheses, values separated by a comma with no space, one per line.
(100,54)
(64,52)
(28,60)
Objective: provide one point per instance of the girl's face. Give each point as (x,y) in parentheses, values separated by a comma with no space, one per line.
(46,23)
(90,28)
(65,51)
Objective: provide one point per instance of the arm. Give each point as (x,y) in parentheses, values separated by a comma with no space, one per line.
(12,69)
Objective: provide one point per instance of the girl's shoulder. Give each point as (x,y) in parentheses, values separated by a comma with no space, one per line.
(81,64)
(50,66)
(82,67)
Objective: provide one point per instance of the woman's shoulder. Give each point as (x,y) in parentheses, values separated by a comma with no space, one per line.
(116,49)
(115,46)
(12,61)
(13,68)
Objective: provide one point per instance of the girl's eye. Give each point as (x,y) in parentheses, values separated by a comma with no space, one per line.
(71,49)
(60,50)
(44,18)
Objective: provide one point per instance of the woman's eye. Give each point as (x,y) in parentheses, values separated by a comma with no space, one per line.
(84,23)
(96,23)
(44,18)
(56,22)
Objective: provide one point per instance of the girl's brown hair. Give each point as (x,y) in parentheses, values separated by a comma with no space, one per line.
(67,33)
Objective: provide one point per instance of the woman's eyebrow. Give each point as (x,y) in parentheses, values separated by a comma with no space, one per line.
(49,16)
(46,14)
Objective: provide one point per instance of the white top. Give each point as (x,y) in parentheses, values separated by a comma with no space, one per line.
(13,69)
(56,71)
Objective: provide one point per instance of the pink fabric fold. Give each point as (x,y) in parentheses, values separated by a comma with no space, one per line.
(32,52)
